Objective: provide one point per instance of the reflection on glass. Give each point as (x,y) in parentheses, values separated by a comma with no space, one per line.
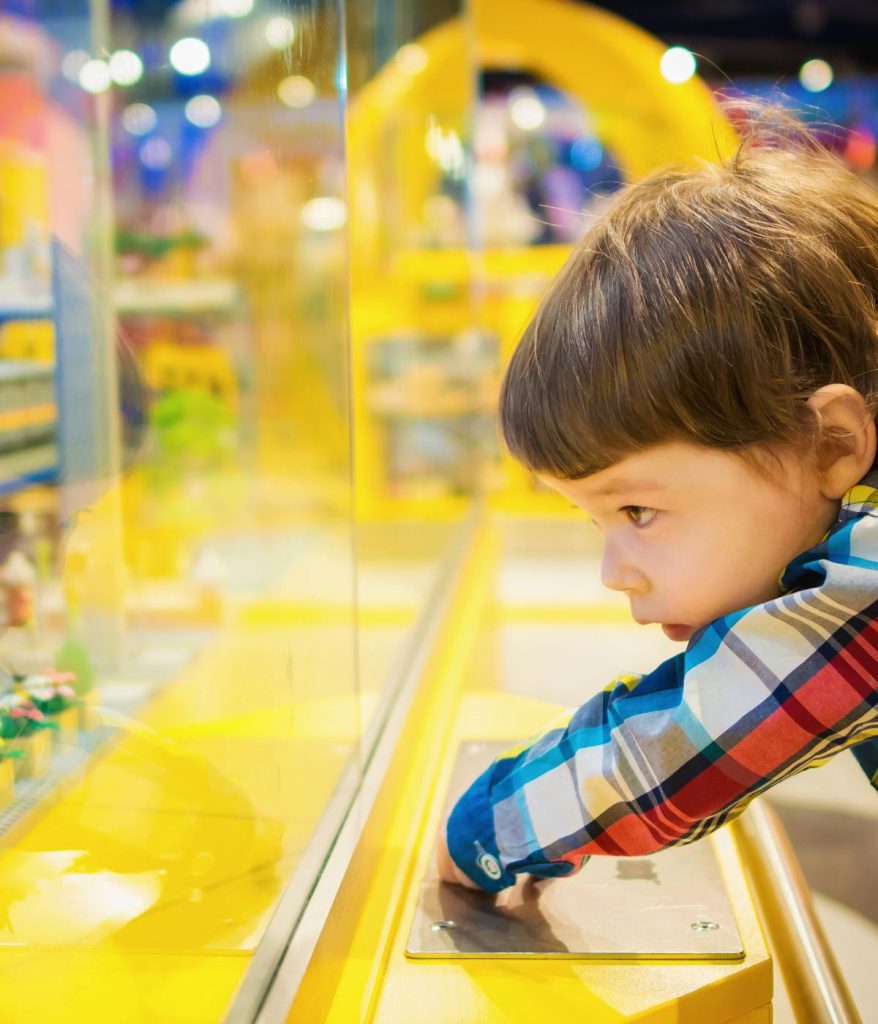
(542,172)
(424,372)
(178,694)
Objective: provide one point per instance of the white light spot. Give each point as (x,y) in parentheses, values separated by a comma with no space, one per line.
(156,153)
(280,32)
(816,75)
(203,111)
(324,213)
(446,148)
(296,91)
(94,76)
(677,65)
(73,63)
(526,109)
(489,179)
(139,119)
(411,58)
(236,8)
(126,67)
(190,56)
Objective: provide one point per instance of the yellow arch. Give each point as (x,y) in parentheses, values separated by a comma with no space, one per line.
(612,68)
(608,65)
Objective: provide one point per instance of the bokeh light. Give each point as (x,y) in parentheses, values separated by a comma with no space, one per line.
(156,153)
(280,33)
(94,76)
(324,213)
(526,109)
(860,149)
(126,67)
(139,119)
(203,111)
(236,8)
(411,58)
(677,65)
(586,154)
(816,75)
(296,91)
(190,56)
(72,63)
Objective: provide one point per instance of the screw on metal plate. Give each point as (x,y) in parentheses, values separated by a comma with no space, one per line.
(442,926)
(704,926)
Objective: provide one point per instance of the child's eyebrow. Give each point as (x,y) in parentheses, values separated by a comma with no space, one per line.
(622,485)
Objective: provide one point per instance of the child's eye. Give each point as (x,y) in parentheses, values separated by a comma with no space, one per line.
(640,515)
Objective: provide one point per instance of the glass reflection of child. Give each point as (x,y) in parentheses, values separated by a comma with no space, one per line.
(702,381)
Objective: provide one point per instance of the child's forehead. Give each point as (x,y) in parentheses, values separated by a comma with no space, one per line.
(669,467)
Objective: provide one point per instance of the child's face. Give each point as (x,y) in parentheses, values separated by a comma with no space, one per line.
(693,533)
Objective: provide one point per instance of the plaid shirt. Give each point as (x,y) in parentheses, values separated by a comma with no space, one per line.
(663,759)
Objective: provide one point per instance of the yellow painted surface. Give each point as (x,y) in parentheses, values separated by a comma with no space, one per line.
(108,986)
(141,893)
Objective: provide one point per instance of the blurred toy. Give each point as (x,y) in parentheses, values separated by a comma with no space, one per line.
(73,664)
(17,579)
(52,694)
(209,572)
(25,729)
(72,660)
(8,757)
(174,254)
(194,365)
(28,341)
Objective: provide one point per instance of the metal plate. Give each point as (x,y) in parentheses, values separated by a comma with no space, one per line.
(672,905)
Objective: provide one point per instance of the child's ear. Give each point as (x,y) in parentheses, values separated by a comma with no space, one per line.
(846,446)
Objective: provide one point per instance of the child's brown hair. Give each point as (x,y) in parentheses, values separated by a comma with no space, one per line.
(705,306)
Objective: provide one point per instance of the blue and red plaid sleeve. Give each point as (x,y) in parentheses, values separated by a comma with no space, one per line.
(665,758)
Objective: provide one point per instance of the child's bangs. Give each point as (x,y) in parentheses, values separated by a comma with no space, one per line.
(564,420)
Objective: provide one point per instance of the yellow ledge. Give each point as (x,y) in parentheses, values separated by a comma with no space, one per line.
(359,971)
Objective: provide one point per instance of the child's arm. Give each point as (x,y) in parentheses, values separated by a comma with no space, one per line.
(757,696)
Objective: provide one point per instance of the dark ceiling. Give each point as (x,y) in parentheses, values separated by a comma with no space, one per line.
(732,37)
(762,37)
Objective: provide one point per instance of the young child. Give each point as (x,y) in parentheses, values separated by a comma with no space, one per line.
(702,381)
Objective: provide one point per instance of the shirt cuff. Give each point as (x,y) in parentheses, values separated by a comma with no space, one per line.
(471,839)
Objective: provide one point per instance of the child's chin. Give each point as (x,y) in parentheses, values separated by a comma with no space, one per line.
(677,632)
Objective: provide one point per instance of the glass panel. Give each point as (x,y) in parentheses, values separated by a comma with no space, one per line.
(176,506)
(424,371)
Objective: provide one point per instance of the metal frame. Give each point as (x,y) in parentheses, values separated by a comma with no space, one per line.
(814,982)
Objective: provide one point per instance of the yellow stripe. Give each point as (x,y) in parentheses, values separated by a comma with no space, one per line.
(285,613)
(563,613)
(862,494)
(36,415)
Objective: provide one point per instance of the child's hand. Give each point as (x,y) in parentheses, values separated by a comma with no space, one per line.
(448,870)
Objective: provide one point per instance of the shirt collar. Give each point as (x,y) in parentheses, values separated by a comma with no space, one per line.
(862,498)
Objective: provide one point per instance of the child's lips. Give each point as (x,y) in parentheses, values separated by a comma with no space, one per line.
(672,630)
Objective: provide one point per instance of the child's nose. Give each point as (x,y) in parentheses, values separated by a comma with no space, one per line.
(617,572)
